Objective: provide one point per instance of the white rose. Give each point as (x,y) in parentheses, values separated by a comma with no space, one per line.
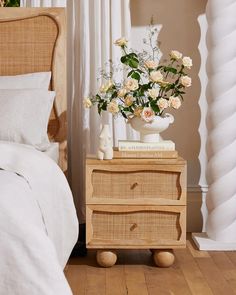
(186,81)
(121,42)
(129,100)
(113,107)
(156,76)
(87,102)
(175,54)
(162,103)
(147,114)
(131,84)
(153,93)
(187,62)
(174,102)
(151,64)
(122,92)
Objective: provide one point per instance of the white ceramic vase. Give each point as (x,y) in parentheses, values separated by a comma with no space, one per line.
(150,131)
(105,149)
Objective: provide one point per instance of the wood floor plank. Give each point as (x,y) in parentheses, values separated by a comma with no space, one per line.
(194,277)
(232,257)
(76,276)
(226,267)
(214,276)
(115,280)
(135,280)
(166,281)
(96,281)
(134,273)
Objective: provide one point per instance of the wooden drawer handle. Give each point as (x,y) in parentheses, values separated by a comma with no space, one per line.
(133,186)
(133,227)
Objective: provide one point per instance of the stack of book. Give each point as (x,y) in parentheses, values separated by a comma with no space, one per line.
(135,149)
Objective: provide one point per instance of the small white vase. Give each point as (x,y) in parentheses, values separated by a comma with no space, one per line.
(105,149)
(150,131)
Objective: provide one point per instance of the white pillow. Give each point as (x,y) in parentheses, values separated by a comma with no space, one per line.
(27,81)
(24,116)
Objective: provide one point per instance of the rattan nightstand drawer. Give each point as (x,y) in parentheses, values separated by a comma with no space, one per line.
(135,226)
(136,184)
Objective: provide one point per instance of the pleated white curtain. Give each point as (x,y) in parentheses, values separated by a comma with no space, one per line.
(93,26)
(43,3)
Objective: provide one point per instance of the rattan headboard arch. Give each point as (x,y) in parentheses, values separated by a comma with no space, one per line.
(34,40)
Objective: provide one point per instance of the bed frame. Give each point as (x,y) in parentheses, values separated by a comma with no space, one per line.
(34,40)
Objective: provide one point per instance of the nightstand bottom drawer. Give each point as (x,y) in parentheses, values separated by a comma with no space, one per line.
(121,226)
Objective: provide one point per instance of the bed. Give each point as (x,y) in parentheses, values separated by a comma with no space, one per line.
(38,223)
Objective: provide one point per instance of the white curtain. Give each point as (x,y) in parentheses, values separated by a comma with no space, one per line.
(93,26)
(43,3)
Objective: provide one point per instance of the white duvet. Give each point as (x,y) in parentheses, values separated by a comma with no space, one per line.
(38,224)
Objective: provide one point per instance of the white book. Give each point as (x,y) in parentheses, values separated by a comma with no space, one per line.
(133,145)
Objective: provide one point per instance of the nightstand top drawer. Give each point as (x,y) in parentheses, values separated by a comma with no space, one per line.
(138,186)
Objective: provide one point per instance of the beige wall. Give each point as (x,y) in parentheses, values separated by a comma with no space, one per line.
(183,27)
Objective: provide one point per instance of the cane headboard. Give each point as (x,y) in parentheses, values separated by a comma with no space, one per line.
(34,40)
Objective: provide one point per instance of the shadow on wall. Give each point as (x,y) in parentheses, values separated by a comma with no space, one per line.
(180,31)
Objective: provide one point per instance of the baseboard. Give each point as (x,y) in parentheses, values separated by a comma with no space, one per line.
(196,208)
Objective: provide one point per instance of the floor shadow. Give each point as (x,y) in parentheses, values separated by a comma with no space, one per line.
(124,257)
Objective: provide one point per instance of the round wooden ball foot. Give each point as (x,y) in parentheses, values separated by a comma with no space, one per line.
(106,258)
(163,258)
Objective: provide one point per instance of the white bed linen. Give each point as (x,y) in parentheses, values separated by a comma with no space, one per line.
(38,224)
(53,151)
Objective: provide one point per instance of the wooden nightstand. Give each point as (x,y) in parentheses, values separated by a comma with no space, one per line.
(136,204)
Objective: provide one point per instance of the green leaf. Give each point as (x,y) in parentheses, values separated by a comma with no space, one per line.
(123,114)
(169,86)
(114,94)
(146,86)
(133,63)
(124,59)
(154,106)
(135,76)
(104,106)
(170,70)
(130,73)
(12,3)
(132,54)
(99,109)
(98,97)
(138,70)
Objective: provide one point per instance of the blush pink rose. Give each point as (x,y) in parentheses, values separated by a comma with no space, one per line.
(147,114)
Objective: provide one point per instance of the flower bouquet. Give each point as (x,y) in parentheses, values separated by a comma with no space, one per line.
(150,86)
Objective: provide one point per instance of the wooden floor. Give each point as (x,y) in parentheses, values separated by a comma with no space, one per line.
(194,272)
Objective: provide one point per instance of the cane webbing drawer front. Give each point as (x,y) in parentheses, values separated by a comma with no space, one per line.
(136,184)
(132,184)
(133,226)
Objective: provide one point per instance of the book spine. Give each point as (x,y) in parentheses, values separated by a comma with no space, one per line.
(146,155)
(165,147)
